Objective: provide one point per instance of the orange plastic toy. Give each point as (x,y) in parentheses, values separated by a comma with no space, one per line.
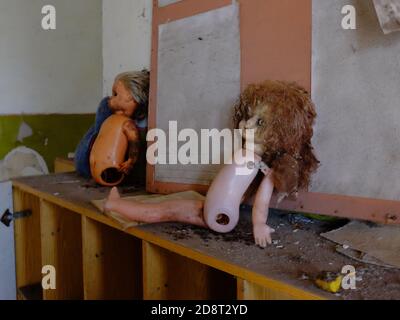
(109,151)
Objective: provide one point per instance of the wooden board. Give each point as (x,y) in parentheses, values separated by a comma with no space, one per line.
(275,38)
(249,291)
(198,78)
(27,240)
(111,263)
(61,243)
(168,276)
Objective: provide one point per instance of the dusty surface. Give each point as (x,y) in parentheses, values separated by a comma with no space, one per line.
(297,256)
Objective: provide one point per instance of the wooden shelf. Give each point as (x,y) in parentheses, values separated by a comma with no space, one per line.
(95,258)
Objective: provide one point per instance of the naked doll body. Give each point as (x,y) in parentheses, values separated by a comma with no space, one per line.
(109,159)
(192,211)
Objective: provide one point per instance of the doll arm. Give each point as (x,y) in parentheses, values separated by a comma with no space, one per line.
(261,231)
(132,135)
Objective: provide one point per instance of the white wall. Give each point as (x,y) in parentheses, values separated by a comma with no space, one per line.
(126,38)
(58,71)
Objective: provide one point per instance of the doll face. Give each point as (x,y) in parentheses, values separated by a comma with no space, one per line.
(121,101)
(258,121)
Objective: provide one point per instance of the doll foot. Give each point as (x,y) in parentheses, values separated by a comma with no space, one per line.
(114,195)
(190,212)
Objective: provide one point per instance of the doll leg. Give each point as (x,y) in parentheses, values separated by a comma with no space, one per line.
(186,211)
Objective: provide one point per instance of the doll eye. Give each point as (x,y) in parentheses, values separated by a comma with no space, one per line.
(260,122)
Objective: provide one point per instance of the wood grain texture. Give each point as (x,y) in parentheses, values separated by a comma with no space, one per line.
(61,244)
(250,291)
(111,263)
(27,240)
(169,276)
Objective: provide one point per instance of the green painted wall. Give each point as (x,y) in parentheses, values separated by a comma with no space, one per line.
(53,135)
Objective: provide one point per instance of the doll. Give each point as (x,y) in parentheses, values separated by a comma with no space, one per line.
(281,116)
(109,162)
(128,103)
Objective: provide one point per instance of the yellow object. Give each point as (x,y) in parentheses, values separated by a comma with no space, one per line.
(329,281)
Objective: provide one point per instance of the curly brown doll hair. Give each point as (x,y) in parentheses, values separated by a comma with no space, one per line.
(284,117)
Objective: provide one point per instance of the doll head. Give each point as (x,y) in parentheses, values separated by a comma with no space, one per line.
(130,94)
(282,116)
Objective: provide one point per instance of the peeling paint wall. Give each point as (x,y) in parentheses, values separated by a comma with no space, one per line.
(50,81)
(52,135)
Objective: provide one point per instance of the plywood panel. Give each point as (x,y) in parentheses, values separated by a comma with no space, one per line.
(356,90)
(198,78)
(275,43)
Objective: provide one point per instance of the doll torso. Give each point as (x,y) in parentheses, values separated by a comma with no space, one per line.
(109,151)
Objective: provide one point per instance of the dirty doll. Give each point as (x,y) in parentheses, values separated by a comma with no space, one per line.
(282,117)
(129,98)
